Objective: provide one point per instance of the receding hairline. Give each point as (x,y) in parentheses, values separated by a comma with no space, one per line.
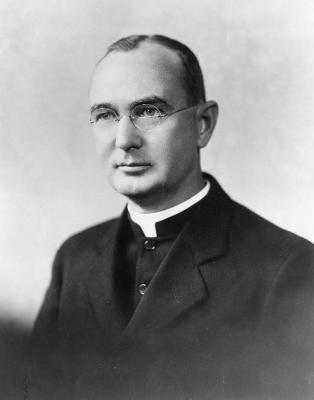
(170,59)
(147,42)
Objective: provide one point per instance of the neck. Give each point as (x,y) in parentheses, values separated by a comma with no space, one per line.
(163,199)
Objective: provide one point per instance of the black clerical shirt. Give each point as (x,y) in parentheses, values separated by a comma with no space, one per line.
(141,257)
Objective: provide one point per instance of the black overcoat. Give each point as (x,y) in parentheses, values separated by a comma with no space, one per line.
(228,315)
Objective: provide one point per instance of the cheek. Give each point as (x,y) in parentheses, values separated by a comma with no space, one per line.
(104,143)
(180,146)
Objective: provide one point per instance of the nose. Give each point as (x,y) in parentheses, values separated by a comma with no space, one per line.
(127,136)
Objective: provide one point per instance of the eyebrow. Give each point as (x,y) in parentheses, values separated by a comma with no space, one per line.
(154,100)
(101,105)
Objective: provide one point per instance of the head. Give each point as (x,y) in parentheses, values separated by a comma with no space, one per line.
(158,167)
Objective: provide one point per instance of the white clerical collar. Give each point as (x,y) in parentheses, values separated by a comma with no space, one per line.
(147,221)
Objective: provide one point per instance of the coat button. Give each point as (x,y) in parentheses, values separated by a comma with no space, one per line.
(150,244)
(142,288)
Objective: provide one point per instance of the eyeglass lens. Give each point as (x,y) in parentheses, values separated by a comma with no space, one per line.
(143,116)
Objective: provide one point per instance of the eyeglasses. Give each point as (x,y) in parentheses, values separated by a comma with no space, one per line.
(144,117)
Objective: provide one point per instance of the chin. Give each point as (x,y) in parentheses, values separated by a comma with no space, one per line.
(133,187)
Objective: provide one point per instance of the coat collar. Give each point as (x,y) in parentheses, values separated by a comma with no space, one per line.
(207,231)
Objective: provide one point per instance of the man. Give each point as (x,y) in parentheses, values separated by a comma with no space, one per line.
(188,294)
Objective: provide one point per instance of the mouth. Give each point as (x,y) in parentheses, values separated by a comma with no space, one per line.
(133,167)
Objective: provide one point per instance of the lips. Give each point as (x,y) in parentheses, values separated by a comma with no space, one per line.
(133,168)
(132,164)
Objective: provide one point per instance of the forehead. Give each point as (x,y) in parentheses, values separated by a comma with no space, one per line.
(149,70)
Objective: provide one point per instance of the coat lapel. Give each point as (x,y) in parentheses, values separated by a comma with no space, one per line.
(102,278)
(178,285)
(175,288)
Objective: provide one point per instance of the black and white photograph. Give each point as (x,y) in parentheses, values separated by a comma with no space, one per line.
(156,200)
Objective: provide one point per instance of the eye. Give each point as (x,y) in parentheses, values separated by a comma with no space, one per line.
(105,115)
(146,111)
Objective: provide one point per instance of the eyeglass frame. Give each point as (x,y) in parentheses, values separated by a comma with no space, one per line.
(160,118)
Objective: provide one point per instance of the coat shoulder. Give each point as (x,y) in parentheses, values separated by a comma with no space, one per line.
(252,226)
(246,229)
(89,237)
(271,251)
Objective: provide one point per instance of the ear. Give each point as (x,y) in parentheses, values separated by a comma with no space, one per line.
(207,114)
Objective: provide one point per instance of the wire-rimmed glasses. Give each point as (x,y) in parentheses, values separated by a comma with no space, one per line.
(144,117)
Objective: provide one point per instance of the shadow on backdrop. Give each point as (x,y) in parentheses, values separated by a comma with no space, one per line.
(14,350)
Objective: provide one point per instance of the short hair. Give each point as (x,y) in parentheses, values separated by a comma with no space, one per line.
(193,78)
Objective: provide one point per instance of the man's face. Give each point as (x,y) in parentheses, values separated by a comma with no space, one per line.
(156,168)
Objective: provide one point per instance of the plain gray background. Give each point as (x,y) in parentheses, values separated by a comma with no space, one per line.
(258,63)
